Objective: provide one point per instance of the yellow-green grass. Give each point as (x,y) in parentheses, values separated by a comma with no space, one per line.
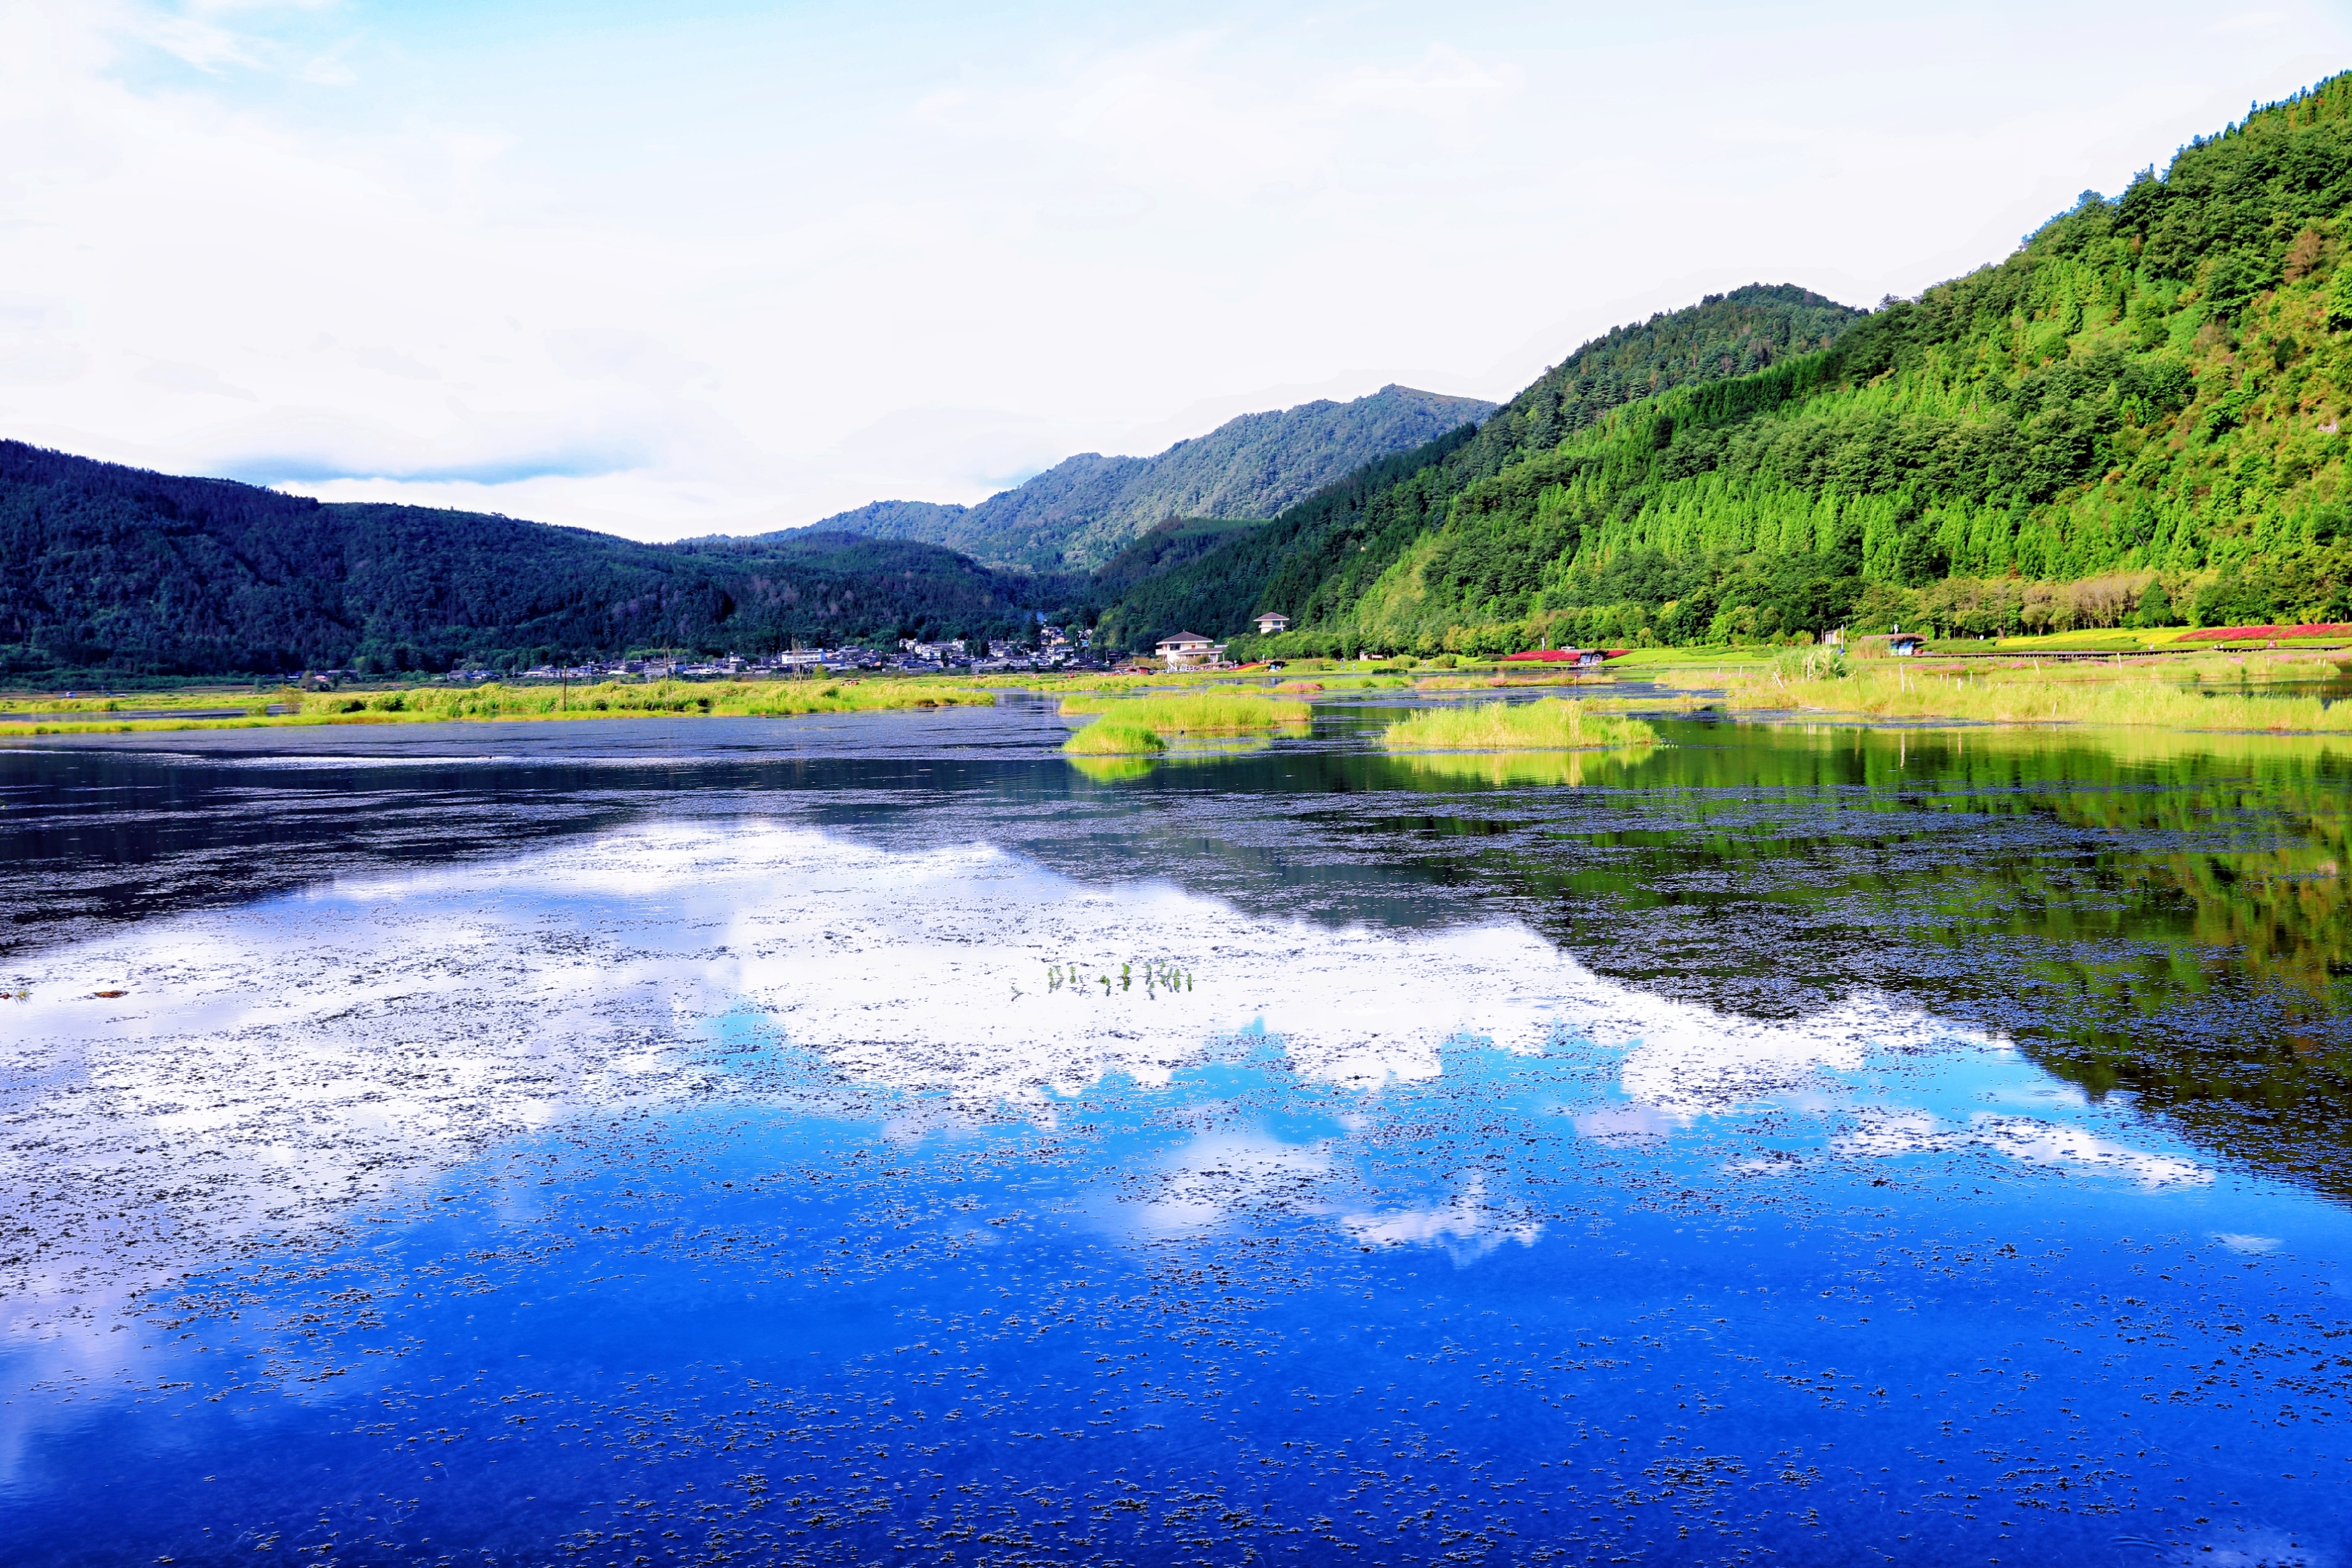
(1549,724)
(1197,713)
(2098,639)
(1481,680)
(496,702)
(1074,680)
(2002,697)
(2169,638)
(241,697)
(2202,664)
(1649,660)
(1113,738)
(2221,666)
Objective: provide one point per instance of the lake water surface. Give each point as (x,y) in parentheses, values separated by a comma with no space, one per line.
(872,1139)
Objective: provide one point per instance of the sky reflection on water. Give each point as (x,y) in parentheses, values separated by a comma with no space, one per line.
(809,1183)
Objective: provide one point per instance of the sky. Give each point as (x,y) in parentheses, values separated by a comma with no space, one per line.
(699,267)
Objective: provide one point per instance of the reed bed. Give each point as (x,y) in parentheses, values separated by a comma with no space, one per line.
(1113,738)
(1477,681)
(254,704)
(1548,725)
(2142,701)
(613,699)
(1198,713)
(1057,680)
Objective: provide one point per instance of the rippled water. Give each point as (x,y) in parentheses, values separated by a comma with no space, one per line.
(873,1139)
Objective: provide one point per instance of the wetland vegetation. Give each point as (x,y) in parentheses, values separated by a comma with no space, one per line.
(1547,724)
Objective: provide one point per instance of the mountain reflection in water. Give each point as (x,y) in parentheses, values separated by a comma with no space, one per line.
(832,1140)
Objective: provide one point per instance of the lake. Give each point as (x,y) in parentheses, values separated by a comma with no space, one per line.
(872,1138)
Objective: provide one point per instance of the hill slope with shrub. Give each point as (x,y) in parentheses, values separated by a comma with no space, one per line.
(118,569)
(1317,554)
(2137,415)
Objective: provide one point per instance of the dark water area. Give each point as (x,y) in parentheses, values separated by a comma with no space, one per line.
(863,1138)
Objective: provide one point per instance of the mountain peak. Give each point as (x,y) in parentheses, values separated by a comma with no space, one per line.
(1086,508)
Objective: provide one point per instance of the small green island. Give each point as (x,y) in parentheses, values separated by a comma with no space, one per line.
(1139,726)
(1547,724)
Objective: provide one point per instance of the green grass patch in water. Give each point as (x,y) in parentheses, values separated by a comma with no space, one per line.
(1548,724)
(1200,713)
(1113,738)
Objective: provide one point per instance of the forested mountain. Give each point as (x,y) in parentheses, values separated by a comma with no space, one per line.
(144,573)
(1165,546)
(1317,555)
(1083,510)
(2136,415)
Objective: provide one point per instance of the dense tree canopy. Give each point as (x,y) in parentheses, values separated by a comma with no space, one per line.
(1318,557)
(2135,415)
(115,568)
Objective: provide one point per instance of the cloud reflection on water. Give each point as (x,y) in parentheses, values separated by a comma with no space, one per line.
(277,1070)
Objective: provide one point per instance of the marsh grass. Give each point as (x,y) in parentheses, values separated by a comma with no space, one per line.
(254,704)
(1197,713)
(1547,724)
(613,699)
(1050,682)
(1113,738)
(1476,682)
(2004,697)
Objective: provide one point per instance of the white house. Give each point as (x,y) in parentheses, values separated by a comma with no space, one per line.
(1189,650)
(1272,621)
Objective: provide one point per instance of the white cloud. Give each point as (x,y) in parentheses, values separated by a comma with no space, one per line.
(682,271)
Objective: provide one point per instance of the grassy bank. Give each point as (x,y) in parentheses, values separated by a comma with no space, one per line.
(1548,724)
(254,703)
(428,705)
(2012,697)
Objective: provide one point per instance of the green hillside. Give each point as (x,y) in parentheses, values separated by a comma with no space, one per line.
(1084,510)
(1164,547)
(132,573)
(1315,560)
(2135,417)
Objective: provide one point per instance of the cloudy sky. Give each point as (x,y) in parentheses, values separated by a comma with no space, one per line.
(667,268)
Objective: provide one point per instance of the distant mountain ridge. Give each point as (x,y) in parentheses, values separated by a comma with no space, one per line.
(145,573)
(1083,510)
